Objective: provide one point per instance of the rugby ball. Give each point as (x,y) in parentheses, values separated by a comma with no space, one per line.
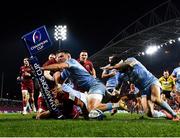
(96,114)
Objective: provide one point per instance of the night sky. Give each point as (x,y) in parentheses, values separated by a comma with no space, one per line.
(91,25)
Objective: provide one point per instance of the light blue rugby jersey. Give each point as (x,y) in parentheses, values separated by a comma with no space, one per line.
(116,79)
(176,73)
(79,75)
(112,81)
(139,75)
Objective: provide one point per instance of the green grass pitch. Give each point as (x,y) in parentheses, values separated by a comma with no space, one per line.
(119,125)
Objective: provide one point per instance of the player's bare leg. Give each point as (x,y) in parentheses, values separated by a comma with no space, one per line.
(31,99)
(24,101)
(156,98)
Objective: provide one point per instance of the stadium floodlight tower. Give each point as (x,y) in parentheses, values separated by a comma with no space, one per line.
(60,33)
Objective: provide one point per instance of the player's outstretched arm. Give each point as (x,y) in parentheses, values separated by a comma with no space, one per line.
(60,66)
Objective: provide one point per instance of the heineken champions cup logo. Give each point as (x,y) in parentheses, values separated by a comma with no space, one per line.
(37,40)
(36,37)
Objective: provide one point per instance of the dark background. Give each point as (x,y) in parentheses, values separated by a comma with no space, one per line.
(91,25)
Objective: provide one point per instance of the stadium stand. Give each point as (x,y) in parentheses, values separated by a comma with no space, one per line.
(10,106)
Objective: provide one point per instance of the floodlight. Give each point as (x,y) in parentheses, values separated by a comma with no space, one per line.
(151,50)
(60,32)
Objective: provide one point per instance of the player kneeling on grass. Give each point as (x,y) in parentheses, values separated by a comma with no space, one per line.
(67,100)
(145,81)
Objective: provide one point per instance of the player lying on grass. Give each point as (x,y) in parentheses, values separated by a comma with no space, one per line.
(82,79)
(146,82)
(67,100)
(133,99)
